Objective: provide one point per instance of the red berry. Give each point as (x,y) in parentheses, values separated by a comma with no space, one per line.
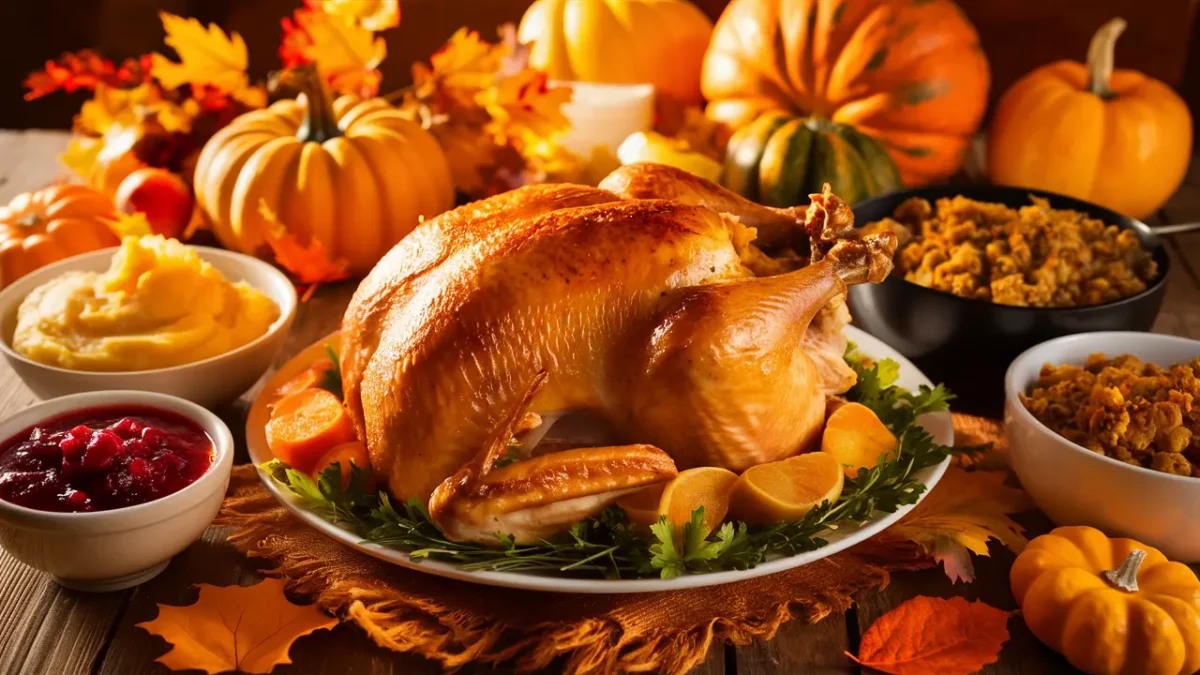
(154,437)
(77,497)
(101,449)
(72,446)
(139,469)
(127,427)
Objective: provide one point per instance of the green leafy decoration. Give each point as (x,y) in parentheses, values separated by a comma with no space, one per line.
(609,546)
(331,380)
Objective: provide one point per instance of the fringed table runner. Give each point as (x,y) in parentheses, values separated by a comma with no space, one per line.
(456,623)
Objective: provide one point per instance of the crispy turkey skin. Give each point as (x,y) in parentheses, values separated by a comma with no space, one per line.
(647,312)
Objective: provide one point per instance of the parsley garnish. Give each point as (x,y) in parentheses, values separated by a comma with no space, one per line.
(331,380)
(609,546)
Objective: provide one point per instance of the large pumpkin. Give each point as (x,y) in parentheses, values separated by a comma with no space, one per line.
(355,175)
(1111,606)
(910,74)
(780,160)
(1117,138)
(38,228)
(620,41)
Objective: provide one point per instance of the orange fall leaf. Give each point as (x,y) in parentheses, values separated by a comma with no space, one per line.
(934,635)
(84,69)
(960,516)
(310,263)
(247,629)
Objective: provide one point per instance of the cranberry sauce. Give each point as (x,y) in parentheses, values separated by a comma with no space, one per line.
(103,458)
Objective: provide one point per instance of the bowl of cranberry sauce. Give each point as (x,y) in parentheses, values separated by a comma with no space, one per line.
(103,459)
(102,489)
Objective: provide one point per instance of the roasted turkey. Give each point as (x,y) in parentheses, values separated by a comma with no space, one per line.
(700,328)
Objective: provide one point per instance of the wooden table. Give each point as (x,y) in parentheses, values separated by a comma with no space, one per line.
(48,629)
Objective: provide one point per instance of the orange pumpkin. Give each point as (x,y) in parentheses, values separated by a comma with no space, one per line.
(1117,138)
(620,41)
(910,74)
(38,228)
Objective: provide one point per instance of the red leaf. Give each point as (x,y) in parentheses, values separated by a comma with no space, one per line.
(294,44)
(83,69)
(309,263)
(934,635)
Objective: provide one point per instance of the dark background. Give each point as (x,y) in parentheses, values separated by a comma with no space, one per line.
(1017,35)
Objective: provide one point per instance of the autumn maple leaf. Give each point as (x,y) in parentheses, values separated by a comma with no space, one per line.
(457,72)
(374,15)
(934,635)
(207,57)
(960,515)
(309,263)
(524,104)
(347,54)
(248,629)
(84,69)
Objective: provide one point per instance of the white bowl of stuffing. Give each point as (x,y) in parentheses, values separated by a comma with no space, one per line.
(1104,430)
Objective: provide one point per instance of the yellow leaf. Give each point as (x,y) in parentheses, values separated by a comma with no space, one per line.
(80,155)
(174,117)
(374,15)
(524,104)
(131,225)
(207,57)
(964,511)
(244,628)
(111,105)
(465,65)
(346,54)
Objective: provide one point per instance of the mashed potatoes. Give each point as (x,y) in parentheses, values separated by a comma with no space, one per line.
(158,305)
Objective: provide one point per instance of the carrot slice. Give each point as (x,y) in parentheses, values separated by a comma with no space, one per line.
(306,425)
(346,454)
(309,378)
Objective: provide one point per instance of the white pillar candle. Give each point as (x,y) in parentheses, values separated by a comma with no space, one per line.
(604,115)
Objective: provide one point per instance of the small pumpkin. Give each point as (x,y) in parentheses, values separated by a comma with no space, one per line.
(1111,606)
(620,42)
(779,160)
(1114,137)
(38,228)
(910,74)
(354,174)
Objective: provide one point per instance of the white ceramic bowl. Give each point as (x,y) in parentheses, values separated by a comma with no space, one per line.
(211,382)
(1075,486)
(111,550)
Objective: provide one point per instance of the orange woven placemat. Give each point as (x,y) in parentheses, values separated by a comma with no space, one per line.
(455,623)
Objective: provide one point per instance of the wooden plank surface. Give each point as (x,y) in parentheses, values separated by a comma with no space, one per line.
(48,629)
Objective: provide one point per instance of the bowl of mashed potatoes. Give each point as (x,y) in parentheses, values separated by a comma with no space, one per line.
(152,314)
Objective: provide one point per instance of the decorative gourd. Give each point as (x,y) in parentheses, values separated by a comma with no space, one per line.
(1109,605)
(910,74)
(1114,137)
(38,228)
(780,160)
(621,42)
(355,175)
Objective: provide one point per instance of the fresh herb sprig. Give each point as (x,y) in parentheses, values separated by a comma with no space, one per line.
(331,379)
(610,546)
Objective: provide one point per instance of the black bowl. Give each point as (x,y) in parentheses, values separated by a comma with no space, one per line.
(969,343)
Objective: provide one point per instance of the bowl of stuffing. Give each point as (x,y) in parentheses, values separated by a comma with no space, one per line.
(984,272)
(1104,430)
